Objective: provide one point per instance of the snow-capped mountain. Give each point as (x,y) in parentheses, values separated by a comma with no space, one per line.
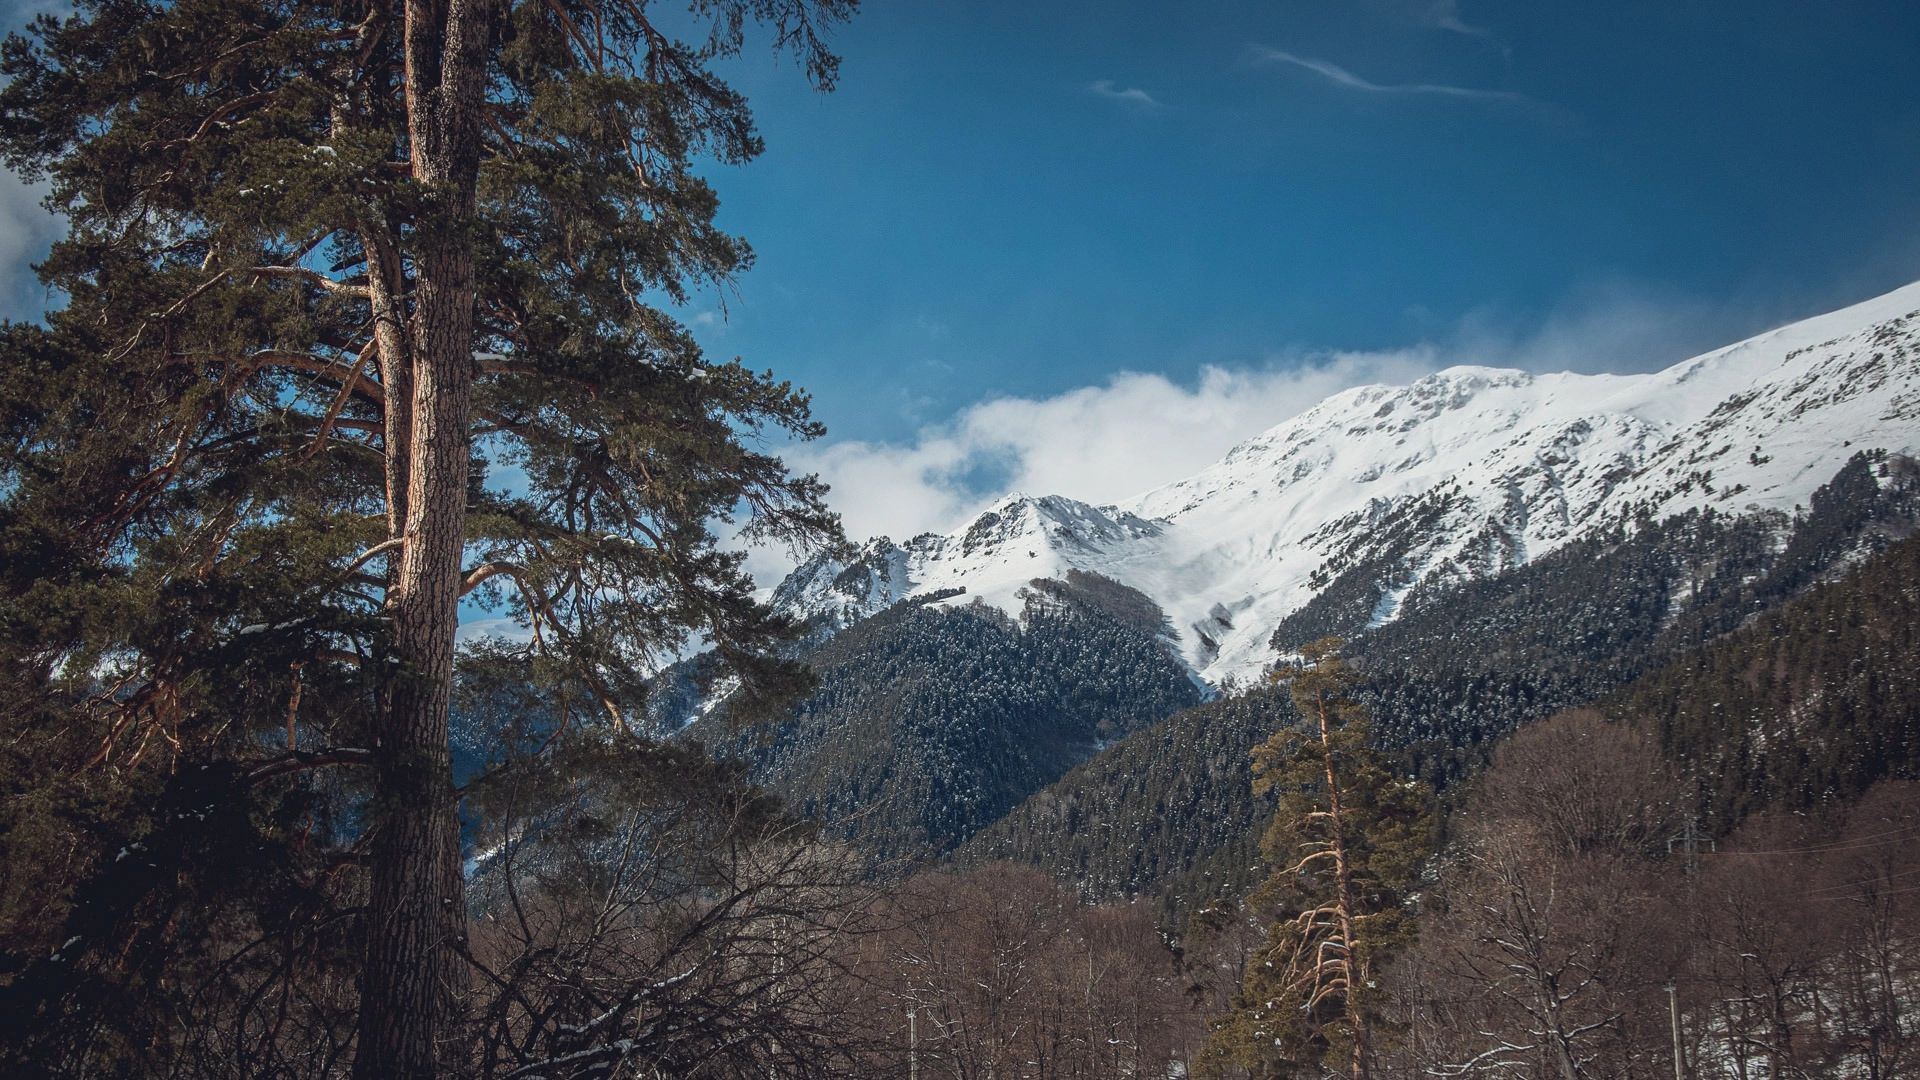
(1464,473)
(996,555)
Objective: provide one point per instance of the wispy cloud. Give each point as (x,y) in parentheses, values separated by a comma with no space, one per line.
(480,628)
(1132,95)
(1438,15)
(1339,76)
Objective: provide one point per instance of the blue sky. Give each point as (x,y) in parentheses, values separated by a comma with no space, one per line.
(1167,226)
(1019,201)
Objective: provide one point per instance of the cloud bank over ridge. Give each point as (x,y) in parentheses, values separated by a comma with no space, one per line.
(1137,430)
(1098,443)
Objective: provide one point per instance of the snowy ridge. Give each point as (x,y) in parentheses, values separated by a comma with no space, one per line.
(1470,470)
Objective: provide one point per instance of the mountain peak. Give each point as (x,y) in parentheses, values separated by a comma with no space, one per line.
(1480,375)
(1462,473)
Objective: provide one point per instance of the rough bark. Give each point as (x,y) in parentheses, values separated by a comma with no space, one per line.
(416,908)
(385,287)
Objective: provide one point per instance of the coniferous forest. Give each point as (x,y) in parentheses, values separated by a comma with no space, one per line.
(371,324)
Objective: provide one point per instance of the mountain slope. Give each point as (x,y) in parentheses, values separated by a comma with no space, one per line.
(1775,673)
(1808,704)
(929,722)
(1456,477)
(1169,810)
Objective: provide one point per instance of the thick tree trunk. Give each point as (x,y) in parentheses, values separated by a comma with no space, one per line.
(416,910)
(416,907)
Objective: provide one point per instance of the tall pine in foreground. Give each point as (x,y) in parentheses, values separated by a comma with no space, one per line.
(1346,842)
(329,262)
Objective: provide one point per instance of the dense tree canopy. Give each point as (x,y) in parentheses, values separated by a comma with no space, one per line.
(367,315)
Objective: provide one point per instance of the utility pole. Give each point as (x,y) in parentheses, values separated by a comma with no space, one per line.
(1689,841)
(913,1043)
(1673,1010)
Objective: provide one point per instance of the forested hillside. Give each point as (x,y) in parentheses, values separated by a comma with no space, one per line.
(1468,663)
(1165,811)
(929,723)
(1169,812)
(1804,707)
(1578,925)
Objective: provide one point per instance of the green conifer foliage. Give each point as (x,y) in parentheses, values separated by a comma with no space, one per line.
(1807,705)
(366,317)
(1346,843)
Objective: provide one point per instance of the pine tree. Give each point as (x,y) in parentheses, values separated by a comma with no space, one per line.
(1347,840)
(330,261)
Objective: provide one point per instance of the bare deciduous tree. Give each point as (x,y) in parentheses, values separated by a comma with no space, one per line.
(627,927)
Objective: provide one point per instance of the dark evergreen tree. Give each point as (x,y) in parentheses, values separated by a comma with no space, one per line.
(1345,845)
(329,262)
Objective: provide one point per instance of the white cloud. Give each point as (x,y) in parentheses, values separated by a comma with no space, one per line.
(27,229)
(1132,95)
(1136,431)
(1339,76)
(1436,15)
(1097,443)
(1613,326)
(495,627)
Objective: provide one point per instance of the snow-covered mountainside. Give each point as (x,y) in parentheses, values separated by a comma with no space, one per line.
(1464,473)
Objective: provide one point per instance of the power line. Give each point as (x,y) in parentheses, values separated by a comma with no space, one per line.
(1848,844)
(1899,892)
(1869,881)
